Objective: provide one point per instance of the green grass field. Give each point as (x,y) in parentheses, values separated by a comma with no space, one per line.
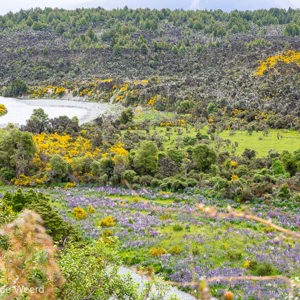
(289,140)
(260,142)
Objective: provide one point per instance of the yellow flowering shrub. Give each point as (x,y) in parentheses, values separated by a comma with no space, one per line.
(24,180)
(181,123)
(152,101)
(287,57)
(234,164)
(3,109)
(119,98)
(107,80)
(79,213)
(118,149)
(60,91)
(155,252)
(237,111)
(210,119)
(70,185)
(65,145)
(124,88)
(178,123)
(108,221)
(234,177)
(40,92)
(175,250)
(141,82)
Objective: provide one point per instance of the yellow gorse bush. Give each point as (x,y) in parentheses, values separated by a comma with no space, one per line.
(152,101)
(108,221)
(157,251)
(24,180)
(142,82)
(3,109)
(68,147)
(178,123)
(79,213)
(234,177)
(288,57)
(60,91)
(91,209)
(234,163)
(70,185)
(118,149)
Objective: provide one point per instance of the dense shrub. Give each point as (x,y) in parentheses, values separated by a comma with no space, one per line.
(59,168)
(17,88)
(175,250)
(262,269)
(87,265)
(146,158)
(17,150)
(40,203)
(79,213)
(6,213)
(129,175)
(19,200)
(203,157)
(108,221)
(277,167)
(157,251)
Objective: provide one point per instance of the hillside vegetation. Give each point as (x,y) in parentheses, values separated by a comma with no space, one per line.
(195,175)
(196,56)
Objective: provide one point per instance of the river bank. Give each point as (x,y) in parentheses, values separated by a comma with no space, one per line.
(20,110)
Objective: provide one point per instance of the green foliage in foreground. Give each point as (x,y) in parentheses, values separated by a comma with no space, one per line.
(17,148)
(38,202)
(91,272)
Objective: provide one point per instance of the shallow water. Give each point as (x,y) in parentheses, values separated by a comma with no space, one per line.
(141,281)
(20,110)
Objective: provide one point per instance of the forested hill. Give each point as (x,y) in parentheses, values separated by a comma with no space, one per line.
(200,56)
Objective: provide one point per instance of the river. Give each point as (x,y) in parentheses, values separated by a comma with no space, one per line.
(20,110)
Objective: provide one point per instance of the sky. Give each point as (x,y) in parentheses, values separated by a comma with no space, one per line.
(226,5)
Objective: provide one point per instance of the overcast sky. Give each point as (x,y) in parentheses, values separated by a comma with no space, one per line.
(227,5)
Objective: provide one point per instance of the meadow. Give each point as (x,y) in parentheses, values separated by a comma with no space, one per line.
(167,234)
(276,139)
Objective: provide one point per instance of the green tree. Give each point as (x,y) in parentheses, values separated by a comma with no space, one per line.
(278,167)
(146,158)
(203,157)
(292,29)
(17,149)
(176,155)
(106,166)
(92,35)
(126,116)
(17,88)
(38,122)
(59,167)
